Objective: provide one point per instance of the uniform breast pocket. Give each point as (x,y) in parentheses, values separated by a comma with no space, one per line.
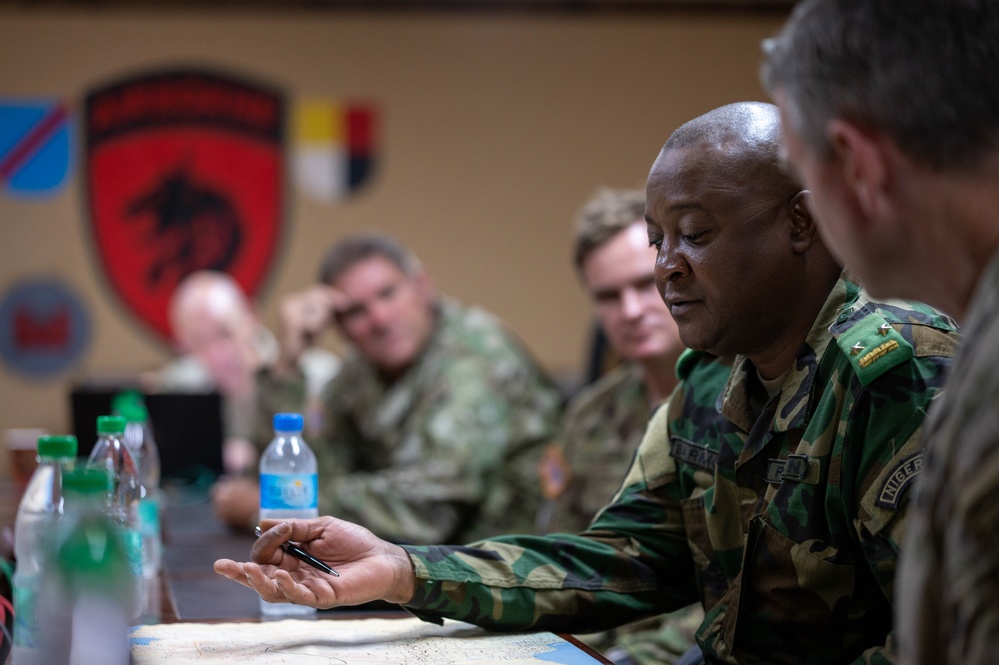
(705,543)
(794,603)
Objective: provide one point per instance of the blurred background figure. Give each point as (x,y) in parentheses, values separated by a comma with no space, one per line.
(434,425)
(222,345)
(605,421)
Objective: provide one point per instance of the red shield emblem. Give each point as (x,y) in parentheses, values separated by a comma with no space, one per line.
(184,173)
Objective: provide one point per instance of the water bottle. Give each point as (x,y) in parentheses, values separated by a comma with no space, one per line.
(40,508)
(112,454)
(289,487)
(142,445)
(85,598)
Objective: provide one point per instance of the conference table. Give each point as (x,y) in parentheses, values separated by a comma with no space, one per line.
(193,539)
(188,591)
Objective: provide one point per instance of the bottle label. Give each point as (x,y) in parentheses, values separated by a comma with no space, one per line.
(131,539)
(149,517)
(25,626)
(294,491)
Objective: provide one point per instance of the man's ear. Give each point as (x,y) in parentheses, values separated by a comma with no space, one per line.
(803,229)
(862,164)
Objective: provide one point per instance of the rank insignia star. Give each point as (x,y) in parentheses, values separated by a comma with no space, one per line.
(884,329)
(856,348)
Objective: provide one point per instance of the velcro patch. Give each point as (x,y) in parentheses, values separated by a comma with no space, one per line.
(796,468)
(691,453)
(554,472)
(898,481)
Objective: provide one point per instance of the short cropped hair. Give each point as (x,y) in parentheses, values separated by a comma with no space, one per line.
(354,249)
(608,213)
(925,72)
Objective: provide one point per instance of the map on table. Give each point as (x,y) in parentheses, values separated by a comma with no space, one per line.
(346,642)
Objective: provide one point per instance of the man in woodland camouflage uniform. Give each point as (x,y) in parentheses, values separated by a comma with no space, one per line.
(891,113)
(435,422)
(771,486)
(605,421)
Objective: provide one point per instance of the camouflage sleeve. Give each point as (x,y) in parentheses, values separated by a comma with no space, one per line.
(633,562)
(459,445)
(950,601)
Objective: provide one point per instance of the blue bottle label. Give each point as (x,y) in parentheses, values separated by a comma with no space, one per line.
(295,491)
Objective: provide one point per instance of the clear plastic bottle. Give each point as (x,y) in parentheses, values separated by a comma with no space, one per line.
(112,454)
(85,599)
(40,508)
(289,487)
(142,445)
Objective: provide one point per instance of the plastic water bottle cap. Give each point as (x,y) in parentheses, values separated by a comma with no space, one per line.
(87,480)
(110,425)
(133,412)
(288,422)
(57,446)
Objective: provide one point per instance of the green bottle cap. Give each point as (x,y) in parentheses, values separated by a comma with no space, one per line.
(133,412)
(57,446)
(87,480)
(129,403)
(110,425)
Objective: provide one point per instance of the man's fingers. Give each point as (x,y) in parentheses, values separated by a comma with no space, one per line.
(295,530)
(231,569)
(266,587)
(249,575)
(265,549)
(292,591)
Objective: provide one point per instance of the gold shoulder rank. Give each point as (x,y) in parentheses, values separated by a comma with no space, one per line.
(873,347)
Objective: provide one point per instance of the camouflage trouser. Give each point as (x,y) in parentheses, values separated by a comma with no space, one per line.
(656,641)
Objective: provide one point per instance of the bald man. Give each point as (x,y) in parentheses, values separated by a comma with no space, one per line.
(223,344)
(770,487)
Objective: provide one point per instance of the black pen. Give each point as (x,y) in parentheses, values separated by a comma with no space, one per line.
(302,555)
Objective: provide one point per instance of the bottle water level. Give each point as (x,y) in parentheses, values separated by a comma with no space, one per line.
(286,609)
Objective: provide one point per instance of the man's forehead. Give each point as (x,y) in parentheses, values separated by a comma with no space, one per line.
(371,267)
(684,176)
(368,283)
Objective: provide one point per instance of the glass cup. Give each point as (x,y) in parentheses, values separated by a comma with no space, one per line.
(22,454)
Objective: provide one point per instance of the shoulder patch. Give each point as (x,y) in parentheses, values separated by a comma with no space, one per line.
(554,472)
(899,480)
(873,346)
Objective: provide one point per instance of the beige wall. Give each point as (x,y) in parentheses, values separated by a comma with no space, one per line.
(495,128)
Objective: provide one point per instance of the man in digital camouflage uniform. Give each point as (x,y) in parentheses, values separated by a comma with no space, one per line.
(605,421)
(891,114)
(772,485)
(434,424)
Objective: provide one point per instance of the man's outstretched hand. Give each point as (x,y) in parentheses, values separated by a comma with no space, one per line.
(370,568)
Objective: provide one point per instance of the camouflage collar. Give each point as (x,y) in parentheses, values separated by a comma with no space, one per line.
(793,401)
